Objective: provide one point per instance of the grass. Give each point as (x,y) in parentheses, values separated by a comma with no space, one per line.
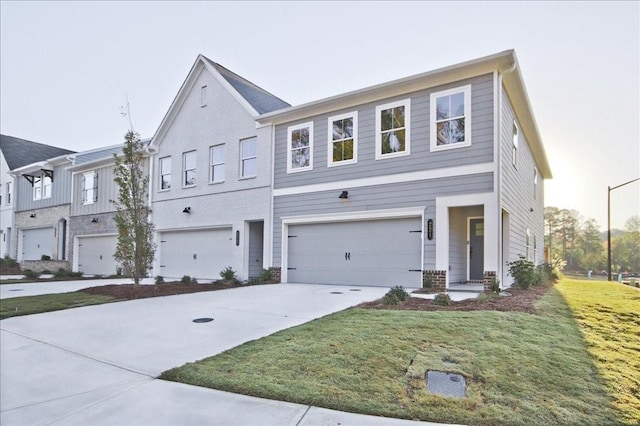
(28,305)
(609,316)
(521,369)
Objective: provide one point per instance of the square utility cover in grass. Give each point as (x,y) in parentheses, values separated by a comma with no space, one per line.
(521,369)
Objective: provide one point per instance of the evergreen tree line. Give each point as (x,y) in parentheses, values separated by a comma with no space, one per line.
(580,245)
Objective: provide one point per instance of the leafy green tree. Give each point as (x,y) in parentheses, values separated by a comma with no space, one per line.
(625,248)
(135,249)
(591,246)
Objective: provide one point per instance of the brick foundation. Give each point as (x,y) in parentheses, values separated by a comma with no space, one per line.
(488,277)
(438,279)
(276,274)
(44,265)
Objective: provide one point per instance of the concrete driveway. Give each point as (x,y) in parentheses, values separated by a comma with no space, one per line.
(97,365)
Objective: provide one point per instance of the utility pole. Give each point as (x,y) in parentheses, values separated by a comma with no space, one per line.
(609,189)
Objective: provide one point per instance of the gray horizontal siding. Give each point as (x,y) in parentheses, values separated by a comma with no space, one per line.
(421,158)
(408,194)
(60,191)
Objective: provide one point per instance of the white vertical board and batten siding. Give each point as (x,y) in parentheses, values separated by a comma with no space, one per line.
(60,191)
(517,189)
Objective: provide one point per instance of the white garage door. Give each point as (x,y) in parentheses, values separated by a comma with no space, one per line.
(375,252)
(201,253)
(95,255)
(36,242)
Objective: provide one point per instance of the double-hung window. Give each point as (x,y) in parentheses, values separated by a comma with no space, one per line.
(189,168)
(343,139)
(535,183)
(450,118)
(249,157)
(528,244)
(9,192)
(392,129)
(216,163)
(514,145)
(41,187)
(165,173)
(89,187)
(300,147)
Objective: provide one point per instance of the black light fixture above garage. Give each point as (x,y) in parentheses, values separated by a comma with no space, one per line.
(95,220)
(344,195)
(32,215)
(187,210)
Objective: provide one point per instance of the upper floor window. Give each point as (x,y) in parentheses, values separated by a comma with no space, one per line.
(248,157)
(203,96)
(89,187)
(216,163)
(9,192)
(535,183)
(528,244)
(343,139)
(514,146)
(300,147)
(165,173)
(392,129)
(41,187)
(189,168)
(451,118)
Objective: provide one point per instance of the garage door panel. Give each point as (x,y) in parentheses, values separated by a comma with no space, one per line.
(376,252)
(37,242)
(201,254)
(95,255)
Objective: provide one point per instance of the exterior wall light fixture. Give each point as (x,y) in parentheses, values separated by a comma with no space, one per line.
(344,195)
(32,215)
(187,210)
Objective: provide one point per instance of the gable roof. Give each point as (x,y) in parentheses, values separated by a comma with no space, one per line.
(253,98)
(21,152)
(505,63)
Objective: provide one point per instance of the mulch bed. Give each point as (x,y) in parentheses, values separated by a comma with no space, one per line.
(519,301)
(131,291)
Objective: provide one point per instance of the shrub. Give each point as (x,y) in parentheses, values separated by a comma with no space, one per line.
(228,274)
(159,279)
(266,275)
(65,273)
(118,271)
(31,274)
(399,292)
(390,299)
(442,299)
(194,280)
(9,261)
(254,281)
(186,279)
(523,272)
(494,285)
(45,257)
(427,281)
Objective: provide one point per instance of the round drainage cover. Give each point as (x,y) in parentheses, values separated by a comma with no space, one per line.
(336,292)
(355,289)
(16,289)
(199,320)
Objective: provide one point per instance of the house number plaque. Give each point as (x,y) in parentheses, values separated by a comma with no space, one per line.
(430,229)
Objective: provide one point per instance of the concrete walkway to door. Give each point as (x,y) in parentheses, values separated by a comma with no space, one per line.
(97,365)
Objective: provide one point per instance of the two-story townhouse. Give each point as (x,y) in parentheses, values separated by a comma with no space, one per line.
(6,204)
(211,186)
(92,230)
(41,201)
(436,176)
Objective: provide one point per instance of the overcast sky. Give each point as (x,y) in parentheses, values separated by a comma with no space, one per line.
(67,68)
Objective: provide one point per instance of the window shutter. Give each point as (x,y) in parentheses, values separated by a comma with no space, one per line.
(84,190)
(95,187)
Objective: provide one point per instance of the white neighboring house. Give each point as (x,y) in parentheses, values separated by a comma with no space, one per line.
(6,206)
(211,177)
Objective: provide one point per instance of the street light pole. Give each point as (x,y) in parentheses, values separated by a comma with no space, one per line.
(609,189)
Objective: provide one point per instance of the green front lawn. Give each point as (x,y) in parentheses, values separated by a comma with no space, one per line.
(521,369)
(28,305)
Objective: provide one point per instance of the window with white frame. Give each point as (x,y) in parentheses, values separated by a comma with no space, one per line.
(535,183)
(249,157)
(9,191)
(89,187)
(203,96)
(41,187)
(535,247)
(165,173)
(527,244)
(189,168)
(450,118)
(300,147)
(392,129)
(514,146)
(216,163)
(343,139)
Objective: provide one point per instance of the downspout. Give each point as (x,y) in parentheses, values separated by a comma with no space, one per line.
(497,133)
(151,150)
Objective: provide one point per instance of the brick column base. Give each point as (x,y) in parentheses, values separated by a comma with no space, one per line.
(488,277)
(438,280)
(276,274)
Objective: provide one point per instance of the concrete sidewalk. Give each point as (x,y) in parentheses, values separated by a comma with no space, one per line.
(97,365)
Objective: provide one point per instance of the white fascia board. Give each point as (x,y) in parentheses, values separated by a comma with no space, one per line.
(223,81)
(389,179)
(195,228)
(355,216)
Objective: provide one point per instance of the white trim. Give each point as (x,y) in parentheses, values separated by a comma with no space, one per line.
(466,90)
(183,175)
(341,217)
(242,159)
(388,179)
(330,141)
(469,219)
(515,138)
(406,103)
(160,174)
(212,165)
(290,130)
